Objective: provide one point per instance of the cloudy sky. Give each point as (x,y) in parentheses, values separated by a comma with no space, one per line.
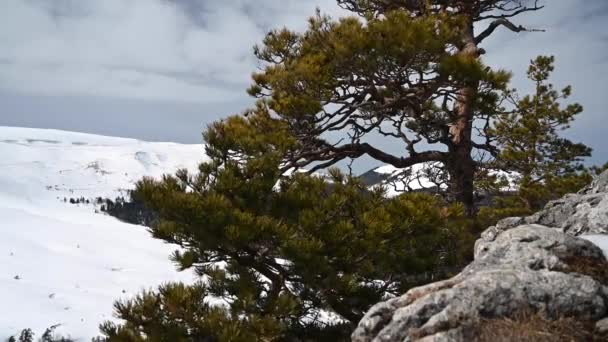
(162,69)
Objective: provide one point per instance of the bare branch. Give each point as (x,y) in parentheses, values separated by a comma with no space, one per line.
(516,8)
(506,23)
(330,155)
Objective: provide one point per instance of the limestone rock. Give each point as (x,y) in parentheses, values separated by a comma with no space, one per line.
(585,212)
(529,266)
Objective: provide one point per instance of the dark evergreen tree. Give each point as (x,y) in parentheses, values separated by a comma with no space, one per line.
(132,211)
(26,335)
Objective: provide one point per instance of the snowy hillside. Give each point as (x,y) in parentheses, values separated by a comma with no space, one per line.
(62,263)
(397,180)
(424,176)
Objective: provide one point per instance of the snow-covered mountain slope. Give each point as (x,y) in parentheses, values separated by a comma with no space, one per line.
(424,176)
(76,164)
(396,181)
(62,263)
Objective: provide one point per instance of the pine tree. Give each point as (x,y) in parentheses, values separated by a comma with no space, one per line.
(404,71)
(282,252)
(548,165)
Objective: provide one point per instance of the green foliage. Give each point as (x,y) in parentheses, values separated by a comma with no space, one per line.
(395,76)
(548,165)
(508,206)
(181,313)
(282,252)
(305,68)
(307,71)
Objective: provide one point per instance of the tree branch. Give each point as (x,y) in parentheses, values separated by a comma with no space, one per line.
(506,23)
(507,12)
(330,155)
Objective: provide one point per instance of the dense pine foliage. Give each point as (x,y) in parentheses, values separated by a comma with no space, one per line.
(548,165)
(408,72)
(545,165)
(292,256)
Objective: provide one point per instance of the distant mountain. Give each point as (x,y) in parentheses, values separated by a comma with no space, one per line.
(416,178)
(62,263)
(420,177)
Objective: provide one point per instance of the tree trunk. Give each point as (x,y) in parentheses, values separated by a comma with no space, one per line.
(461,166)
(461,169)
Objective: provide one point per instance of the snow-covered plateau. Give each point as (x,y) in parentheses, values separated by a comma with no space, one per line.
(62,263)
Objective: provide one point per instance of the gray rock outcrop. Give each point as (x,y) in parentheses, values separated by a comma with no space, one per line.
(585,212)
(519,265)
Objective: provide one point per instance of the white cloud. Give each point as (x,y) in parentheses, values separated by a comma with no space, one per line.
(201,50)
(574,35)
(192,50)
